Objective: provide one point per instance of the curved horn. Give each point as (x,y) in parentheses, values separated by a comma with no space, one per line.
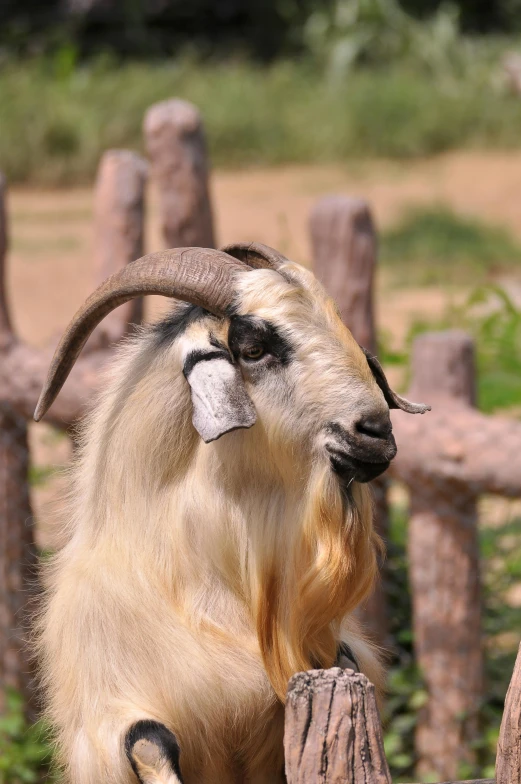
(256,255)
(201,276)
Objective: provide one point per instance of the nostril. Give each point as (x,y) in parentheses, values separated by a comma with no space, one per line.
(374,428)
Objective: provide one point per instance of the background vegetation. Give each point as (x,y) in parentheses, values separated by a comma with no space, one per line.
(434,246)
(25,751)
(264,29)
(337,80)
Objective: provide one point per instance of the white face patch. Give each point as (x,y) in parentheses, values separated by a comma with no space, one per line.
(219,398)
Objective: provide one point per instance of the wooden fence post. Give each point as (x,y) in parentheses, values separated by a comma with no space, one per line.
(344,247)
(508,762)
(445,571)
(175,143)
(332,730)
(119,220)
(17,557)
(17,550)
(5,321)
(344,244)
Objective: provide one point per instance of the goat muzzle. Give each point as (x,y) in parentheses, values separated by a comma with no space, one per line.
(362,452)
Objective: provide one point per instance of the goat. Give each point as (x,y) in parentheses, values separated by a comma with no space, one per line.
(219,529)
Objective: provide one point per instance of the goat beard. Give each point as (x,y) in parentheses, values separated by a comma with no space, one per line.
(302,602)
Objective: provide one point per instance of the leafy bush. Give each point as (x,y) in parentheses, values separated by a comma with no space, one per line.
(25,751)
(434,245)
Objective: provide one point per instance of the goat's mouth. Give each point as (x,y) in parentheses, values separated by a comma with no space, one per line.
(349,468)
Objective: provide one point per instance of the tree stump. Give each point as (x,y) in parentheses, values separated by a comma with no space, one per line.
(332,730)
(175,143)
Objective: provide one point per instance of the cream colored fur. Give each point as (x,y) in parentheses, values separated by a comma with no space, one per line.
(193,579)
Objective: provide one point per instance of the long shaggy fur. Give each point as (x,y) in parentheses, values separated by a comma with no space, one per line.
(192,580)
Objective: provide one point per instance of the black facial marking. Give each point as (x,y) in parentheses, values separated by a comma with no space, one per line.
(171,327)
(160,736)
(201,355)
(247,332)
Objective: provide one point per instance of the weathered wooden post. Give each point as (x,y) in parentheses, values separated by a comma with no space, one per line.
(6,335)
(17,549)
(508,762)
(119,221)
(17,556)
(176,146)
(445,569)
(344,243)
(332,730)
(344,246)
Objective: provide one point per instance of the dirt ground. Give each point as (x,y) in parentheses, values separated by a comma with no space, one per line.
(49,266)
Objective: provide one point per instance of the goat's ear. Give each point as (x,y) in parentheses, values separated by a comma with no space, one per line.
(392,399)
(219,398)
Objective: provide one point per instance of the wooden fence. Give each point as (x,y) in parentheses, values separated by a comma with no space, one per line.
(333,732)
(447,459)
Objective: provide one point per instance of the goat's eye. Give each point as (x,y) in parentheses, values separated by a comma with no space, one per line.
(255,352)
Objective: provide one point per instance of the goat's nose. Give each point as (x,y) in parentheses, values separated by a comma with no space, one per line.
(375,426)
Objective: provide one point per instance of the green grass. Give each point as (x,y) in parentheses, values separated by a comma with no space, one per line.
(56,123)
(433,245)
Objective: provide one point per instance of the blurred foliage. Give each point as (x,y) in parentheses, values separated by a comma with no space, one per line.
(262,28)
(25,751)
(494,321)
(434,245)
(347,78)
(377,32)
(501,564)
(40,474)
(59,117)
